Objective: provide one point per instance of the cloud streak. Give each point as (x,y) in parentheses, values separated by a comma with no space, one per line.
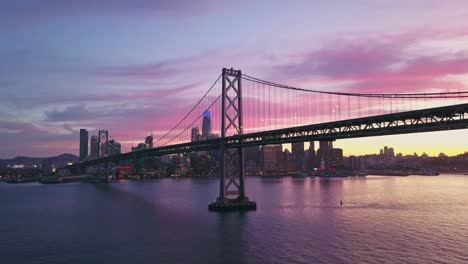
(136,66)
(376,66)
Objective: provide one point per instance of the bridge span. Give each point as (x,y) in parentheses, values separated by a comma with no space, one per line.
(307,109)
(424,120)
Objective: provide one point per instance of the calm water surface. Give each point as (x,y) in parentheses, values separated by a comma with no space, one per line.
(412,219)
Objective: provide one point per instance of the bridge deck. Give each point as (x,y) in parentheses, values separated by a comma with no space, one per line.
(424,120)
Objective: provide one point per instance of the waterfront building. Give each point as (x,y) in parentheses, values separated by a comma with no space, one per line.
(47,165)
(336,158)
(272,155)
(355,163)
(252,154)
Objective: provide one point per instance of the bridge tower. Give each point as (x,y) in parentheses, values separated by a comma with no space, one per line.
(232,187)
(103,145)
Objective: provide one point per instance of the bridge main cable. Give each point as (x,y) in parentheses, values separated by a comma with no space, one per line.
(188,114)
(193,122)
(434,95)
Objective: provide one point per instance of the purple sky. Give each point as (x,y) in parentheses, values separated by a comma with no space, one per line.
(131,66)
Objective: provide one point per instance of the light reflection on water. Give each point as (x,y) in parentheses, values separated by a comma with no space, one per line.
(412,219)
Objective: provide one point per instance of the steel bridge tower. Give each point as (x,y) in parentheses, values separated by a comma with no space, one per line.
(232,187)
(103,145)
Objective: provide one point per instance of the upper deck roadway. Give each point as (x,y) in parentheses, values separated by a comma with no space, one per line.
(425,120)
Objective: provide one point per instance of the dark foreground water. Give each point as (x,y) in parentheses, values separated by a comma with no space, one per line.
(383,220)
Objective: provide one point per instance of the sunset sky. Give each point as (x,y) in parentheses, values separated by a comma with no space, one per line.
(133,66)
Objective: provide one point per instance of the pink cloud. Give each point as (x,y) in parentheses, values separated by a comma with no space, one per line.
(366,64)
(369,65)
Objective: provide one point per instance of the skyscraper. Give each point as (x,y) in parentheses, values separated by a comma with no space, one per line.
(195,134)
(298,154)
(323,153)
(83,144)
(206,128)
(310,161)
(94,147)
(391,152)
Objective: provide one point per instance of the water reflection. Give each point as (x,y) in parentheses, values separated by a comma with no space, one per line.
(232,237)
(410,219)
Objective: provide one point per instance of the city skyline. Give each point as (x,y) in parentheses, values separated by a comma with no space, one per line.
(132,67)
(214,131)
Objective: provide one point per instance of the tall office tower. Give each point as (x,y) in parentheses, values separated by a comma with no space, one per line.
(94,147)
(391,152)
(149,141)
(298,154)
(83,144)
(206,127)
(195,134)
(385,151)
(323,153)
(310,161)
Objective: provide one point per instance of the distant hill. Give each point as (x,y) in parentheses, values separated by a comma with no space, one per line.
(57,161)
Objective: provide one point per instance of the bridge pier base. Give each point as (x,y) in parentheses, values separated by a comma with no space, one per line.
(232,205)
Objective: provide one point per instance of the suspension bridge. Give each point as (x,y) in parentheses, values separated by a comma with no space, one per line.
(248,111)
